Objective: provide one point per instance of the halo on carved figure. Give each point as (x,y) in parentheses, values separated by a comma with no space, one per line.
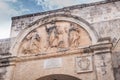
(54,33)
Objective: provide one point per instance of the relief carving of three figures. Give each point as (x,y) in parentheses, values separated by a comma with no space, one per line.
(57,37)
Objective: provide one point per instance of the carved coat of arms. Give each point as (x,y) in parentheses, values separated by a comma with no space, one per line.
(84,64)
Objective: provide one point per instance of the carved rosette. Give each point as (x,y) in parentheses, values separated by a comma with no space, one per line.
(54,37)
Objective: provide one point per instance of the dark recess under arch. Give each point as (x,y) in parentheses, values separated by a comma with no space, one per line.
(58,77)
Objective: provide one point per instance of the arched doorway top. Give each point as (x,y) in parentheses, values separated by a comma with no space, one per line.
(68,17)
(58,77)
(51,19)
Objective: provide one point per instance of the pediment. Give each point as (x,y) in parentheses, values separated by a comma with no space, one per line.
(54,37)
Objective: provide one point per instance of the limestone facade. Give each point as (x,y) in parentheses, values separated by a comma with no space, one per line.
(73,43)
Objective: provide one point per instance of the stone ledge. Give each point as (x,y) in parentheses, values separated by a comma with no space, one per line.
(87,50)
(82,51)
(4,62)
(102,46)
(104,40)
(102,51)
(98,48)
(4,65)
(44,56)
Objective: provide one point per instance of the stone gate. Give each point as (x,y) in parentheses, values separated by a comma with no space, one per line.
(73,43)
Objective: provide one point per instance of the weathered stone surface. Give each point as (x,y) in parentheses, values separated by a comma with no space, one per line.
(93,13)
(64,35)
(54,37)
(103,62)
(2,73)
(84,64)
(108,28)
(4,46)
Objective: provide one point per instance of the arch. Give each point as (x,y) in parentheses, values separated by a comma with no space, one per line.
(58,77)
(56,17)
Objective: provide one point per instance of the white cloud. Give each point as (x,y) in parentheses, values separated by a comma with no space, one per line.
(53,4)
(6,12)
(6,9)
(90,1)
(5,31)
(11,1)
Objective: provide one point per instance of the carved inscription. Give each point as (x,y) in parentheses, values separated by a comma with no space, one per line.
(103,64)
(53,63)
(54,36)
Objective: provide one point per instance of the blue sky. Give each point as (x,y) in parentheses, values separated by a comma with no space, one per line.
(9,8)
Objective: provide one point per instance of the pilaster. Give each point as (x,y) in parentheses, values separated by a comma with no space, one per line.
(103,60)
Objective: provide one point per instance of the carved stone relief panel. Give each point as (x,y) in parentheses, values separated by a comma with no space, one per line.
(84,64)
(53,37)
(32,43)
(74,37)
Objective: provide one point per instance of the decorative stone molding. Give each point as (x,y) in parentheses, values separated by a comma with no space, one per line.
(100,52)
(103,59)
(48,20)
(84,64)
